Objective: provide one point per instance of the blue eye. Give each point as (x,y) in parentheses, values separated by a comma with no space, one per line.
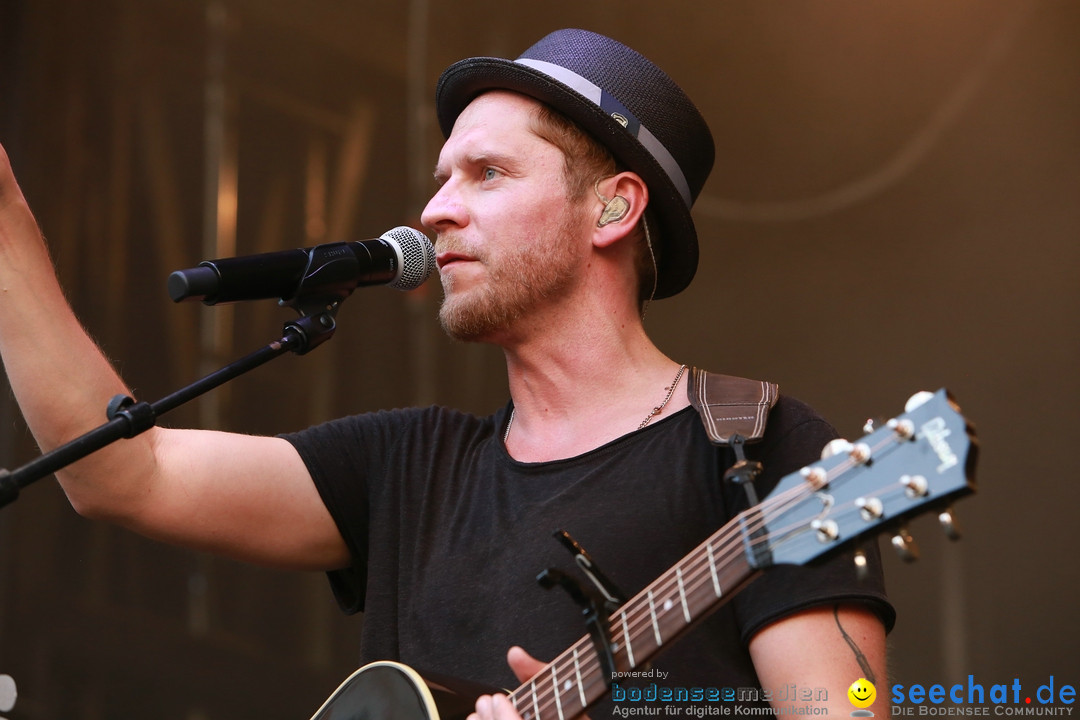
(490,173)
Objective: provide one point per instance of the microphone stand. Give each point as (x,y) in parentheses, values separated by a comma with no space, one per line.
(128,418)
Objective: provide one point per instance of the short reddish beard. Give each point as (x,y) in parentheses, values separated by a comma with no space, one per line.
(525,276)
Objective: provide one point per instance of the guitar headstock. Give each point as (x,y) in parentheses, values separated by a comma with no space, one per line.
(919,462)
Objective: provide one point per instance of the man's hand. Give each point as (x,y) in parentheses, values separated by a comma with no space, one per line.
(499,707)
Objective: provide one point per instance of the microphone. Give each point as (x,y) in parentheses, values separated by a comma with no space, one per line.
(402,258)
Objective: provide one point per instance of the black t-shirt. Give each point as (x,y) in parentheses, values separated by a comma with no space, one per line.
(448,533)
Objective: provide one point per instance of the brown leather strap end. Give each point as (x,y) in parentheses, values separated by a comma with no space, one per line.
(731,405)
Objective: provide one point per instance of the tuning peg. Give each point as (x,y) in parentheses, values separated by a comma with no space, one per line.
(917,399)
(826,530)
(836,447)
(915,486)
(949,524)
(868,426)
(816,477)
(870,509)
(862,568)
(905,545)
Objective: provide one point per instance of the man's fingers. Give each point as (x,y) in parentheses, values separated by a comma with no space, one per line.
(494,707)
(483,708)
(523,664)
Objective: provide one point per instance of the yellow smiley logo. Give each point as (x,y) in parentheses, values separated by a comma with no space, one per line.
(862,693)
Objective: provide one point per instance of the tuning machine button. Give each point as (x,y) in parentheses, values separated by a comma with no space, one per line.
(949,524)
(838,446)
(905,545)
(862,565)
(859,452)
(918,399)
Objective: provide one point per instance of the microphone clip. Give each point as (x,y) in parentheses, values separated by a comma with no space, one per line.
(316,324)
(329,278)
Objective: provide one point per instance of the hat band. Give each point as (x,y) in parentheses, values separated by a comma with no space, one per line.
(611,105)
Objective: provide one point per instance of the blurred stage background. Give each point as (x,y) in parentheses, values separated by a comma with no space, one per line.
(895,206)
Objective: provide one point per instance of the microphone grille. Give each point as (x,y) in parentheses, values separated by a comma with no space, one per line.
(417,256)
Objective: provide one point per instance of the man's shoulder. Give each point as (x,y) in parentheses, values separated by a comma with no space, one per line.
(405,419)
(795,434)
(790,412)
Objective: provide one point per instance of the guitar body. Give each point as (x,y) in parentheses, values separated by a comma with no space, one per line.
(392,691)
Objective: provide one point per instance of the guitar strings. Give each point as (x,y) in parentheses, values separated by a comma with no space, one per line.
(580,661)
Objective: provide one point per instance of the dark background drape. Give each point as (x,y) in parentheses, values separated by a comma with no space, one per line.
(895,206)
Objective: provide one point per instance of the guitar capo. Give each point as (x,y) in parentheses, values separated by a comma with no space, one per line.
(597,605)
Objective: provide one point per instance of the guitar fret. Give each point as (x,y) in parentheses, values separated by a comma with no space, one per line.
(555,690)
(580,684)
(626,641)
(682,594)
(536,702)
(655,624)
(712,570)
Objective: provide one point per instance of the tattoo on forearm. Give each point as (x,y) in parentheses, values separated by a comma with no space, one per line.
(860,658)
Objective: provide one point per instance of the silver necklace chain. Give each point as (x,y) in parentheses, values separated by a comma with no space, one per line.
(671,391)
(652,413)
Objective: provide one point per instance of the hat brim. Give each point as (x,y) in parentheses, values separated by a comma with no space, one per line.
(463,81)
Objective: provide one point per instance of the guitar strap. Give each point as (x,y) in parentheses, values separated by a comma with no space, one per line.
(731,406)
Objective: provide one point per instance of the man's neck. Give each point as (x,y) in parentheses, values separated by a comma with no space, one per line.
(587,389)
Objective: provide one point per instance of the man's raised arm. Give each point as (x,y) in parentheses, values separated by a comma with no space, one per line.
(241,496)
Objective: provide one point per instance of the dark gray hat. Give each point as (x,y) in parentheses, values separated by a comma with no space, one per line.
(628,104)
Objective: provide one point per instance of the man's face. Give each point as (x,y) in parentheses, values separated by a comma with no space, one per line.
(509,241)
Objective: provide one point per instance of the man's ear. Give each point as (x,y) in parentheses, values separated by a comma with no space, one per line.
(621,201)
